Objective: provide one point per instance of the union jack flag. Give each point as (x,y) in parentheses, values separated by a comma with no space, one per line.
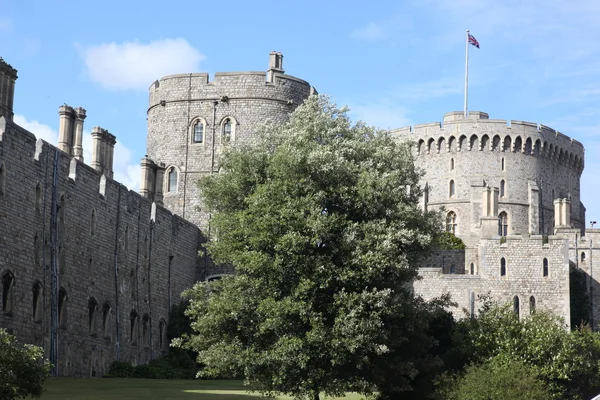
(473,41)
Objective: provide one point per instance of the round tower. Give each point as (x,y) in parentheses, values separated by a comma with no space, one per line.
(191,120)
(497,177)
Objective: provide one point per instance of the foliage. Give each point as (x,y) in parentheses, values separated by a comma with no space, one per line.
(445,240)
(23,368)
(566,361)
(175,365)
(579,298)
(320,219)
(499,379)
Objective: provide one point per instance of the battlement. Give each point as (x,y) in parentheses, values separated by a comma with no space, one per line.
(478,132)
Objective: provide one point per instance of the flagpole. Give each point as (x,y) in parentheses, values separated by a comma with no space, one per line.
(466,74)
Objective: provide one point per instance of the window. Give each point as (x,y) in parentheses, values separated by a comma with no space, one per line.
(172,183)
(8,284)
(38,198)
(162,331)
(583,256)
(145,330)
(106,320)
(93,223)
(62,308)
(133,324)
(502,163)
(199,132)
(502,267)
(2,179)
(452,164)
(531,305)
(452,269)
(38,301)
(502,188)
(516,306)
(545,267)
(451,189)
(226,138)
(503,224)
(451,222)
(92,307)
(472,269)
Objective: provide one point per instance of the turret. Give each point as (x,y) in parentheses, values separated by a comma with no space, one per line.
(8,76)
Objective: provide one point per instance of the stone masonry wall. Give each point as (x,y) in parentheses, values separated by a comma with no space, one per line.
(524,276)
(121,261)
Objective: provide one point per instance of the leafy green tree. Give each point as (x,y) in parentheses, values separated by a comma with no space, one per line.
(23,368)
(567,361)
(320,219)
(500,379)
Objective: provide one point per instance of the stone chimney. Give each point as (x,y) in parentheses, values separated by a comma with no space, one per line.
(65,130)
(159,183)
(489,212)
(8,76)
(103,146)
(562,213)
(275,65)
(78,133)
(147,181)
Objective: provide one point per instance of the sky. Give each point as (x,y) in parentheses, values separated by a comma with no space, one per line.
(393,63)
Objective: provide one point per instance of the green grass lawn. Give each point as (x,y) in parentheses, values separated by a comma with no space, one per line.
(147,389)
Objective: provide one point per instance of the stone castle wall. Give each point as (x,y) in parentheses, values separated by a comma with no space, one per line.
(178,102)
(536,163)
(121,262)
(524,276)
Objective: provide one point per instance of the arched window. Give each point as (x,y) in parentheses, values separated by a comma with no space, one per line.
(162,331)
(2,179)
(106,320)
(199,132)
(451,189)
(172,183)
(227,131)
(516,307)
(146,330)
(451,222)
(452,269)
(452,164)
(38,198)
(502,267)
(92,307)
(545,267)
(531,305)
(62,307)
(502,188)
(503,224)
(583,256)
(8,292)
(133,326)
(38,301)
(472,269)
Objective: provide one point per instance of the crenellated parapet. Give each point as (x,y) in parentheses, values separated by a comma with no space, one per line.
(479,133)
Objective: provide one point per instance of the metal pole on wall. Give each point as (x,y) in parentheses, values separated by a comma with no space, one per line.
(466,73)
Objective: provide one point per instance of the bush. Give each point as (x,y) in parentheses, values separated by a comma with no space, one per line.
(175,365)
(23,368)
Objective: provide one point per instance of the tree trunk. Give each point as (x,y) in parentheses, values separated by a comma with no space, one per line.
(315,395)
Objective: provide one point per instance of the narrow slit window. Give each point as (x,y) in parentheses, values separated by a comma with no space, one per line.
(516,306)
(545,267)
(172,184)
(531,305)
(503,224)
(227,131)
(502,266)
(8,288)
(451,189)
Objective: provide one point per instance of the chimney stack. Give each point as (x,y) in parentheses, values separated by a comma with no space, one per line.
(78,134)
(103,146)
(65,130)
(489,212)
(275,65)
(8,76)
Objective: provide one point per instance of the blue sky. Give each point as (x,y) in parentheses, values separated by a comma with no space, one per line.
(394,63)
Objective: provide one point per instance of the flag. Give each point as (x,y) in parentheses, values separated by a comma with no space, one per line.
(473,41)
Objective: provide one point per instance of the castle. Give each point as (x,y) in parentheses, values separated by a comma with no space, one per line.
(90,269)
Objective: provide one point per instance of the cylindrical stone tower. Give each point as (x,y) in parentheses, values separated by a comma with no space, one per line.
(191,120)
(531,165)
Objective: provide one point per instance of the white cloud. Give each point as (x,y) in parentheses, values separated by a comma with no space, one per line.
(124,170)
(134,65)
(369,33)
(40,130)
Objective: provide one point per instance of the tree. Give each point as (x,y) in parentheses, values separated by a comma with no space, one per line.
(23,368)
(500,379)
(320,219)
